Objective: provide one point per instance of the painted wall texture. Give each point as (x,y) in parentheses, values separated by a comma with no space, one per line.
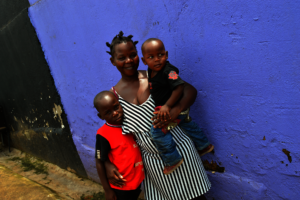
(31,104)
(243,57)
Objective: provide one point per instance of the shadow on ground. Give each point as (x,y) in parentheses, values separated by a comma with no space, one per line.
(25,177)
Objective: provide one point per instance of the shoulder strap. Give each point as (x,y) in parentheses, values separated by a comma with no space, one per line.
(113,88)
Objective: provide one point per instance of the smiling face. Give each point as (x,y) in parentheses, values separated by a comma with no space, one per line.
(125,58)
(110,109)
(154,55)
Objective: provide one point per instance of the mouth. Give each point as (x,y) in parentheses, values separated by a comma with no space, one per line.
(119,118)
(157,66)
(129,68)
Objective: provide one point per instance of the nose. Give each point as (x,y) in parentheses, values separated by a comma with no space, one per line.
(128,60)
(156,58)
(115,113)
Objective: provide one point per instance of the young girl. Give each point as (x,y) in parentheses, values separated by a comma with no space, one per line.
(189,181)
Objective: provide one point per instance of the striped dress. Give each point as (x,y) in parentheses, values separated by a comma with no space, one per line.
(188,181)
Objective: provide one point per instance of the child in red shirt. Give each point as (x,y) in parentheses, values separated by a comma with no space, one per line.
(121,150)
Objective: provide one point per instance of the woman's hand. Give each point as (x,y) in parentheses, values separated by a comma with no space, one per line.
(113,175)
(157,123)
(189,97)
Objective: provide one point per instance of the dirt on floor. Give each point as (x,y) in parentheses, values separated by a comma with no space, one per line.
(15,186)
(59,183)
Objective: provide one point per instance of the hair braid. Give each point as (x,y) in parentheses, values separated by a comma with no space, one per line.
(118,39)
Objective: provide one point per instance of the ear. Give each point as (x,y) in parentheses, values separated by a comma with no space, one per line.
(112,61)
(144,61)
(100,116)
(167,56)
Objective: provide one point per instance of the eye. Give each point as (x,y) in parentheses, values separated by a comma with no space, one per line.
(160,54)
(116,107)
(121,58)
(133,55)
(150,57)
(108,112)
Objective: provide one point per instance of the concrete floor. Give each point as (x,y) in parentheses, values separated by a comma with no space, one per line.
(58,184)
(15,186)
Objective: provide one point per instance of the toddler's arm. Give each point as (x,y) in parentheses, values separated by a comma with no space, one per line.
(164,112)
(187,100)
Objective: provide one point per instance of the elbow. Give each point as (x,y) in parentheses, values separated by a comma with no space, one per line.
(195,92)
(192,90)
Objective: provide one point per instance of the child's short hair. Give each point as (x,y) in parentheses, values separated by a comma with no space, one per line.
(118,39)
(100,96)
(150,40)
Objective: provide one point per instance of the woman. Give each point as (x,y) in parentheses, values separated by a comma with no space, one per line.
(189,181)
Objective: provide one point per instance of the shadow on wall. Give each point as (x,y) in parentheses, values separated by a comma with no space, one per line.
(35,116)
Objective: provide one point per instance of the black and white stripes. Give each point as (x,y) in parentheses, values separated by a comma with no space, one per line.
(187,181)
(137,118)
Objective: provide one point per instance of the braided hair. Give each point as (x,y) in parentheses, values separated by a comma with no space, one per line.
(118,39)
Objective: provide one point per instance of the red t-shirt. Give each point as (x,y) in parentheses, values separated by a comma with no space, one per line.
(125,154)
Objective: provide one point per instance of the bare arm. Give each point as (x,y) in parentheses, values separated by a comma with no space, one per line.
(113,175)
(109,193)
(189,97)
(163,113)
(175,96)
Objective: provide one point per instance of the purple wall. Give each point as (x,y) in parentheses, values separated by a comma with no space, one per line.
(242,57)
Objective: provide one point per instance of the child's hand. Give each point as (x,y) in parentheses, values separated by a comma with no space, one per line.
(164,113)
(157,123)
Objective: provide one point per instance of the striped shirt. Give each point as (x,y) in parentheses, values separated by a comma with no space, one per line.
(188,181)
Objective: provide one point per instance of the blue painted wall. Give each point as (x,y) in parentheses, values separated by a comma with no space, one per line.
(243,57)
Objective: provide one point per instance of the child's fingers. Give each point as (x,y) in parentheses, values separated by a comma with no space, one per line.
(169,116)
(161,124)
(154,117)
(165,117)
(156,112)
(159,115)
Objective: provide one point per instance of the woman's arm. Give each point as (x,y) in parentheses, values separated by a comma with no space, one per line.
(109,193)
(187,100)
(113,174)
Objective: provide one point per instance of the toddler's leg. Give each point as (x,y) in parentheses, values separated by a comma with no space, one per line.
(165,146)
(194,132)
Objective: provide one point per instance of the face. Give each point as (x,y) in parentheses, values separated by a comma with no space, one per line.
(126,59)
(110,110)
(155,55)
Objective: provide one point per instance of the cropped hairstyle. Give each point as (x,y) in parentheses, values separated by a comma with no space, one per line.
(100,96)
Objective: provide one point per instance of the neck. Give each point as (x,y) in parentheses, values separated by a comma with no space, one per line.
(133,78)
(153,73)
(118,125)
